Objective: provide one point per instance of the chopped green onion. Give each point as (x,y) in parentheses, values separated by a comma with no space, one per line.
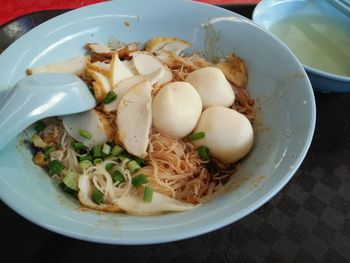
(148,194)
(106,149)
(39,126)
(85,134)
(117,177)
(116,150)
(98,160)
(71,180)
(133,166)
(110,97)
(109,166)
(77,145)
(203,153)
(86,157)
(68,190)
(79,148)
(140,162)
(55,167)
(97,196)
(125,156)
(110,157)
(196,136)
(49,150)
(139,180)
(85,164)
(97,151)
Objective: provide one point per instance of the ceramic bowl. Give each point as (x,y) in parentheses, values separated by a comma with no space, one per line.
(270,12)
(284,128)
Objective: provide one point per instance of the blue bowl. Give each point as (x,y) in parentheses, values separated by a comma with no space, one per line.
(270,12)
(284,103)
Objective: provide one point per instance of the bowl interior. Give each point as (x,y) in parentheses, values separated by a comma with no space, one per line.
(273,14)
(277,81)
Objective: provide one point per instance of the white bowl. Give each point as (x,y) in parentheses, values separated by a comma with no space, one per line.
(277,81)
(270,12)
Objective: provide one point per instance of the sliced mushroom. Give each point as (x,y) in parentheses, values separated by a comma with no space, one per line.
(74,66)
(100,49)
(100,84)
(124,86)
(135,205)
(93,122)
(103,52)
(85,196)
(125,52)
(134,119)
(118,71)
(166,44)
(146,63)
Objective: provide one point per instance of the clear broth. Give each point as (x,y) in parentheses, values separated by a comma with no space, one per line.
(318,41)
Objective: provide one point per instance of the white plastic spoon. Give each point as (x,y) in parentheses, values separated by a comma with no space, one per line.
(39,96)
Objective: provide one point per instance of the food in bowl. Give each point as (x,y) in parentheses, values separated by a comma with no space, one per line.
(169,129)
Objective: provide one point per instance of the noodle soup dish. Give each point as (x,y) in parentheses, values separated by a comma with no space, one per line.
(200,119)
(168,130)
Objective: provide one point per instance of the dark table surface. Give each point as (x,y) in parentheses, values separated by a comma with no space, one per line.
(308,221)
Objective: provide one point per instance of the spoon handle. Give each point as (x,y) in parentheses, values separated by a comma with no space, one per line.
(14,113)
(39,96)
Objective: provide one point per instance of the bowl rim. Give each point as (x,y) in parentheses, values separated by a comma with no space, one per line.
(326,74)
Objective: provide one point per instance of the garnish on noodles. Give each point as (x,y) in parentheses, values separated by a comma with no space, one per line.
(168,130)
